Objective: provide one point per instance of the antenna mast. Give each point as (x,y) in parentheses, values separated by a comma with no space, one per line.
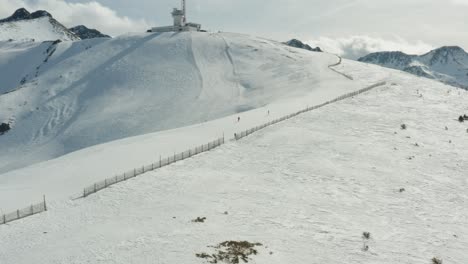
(184,10)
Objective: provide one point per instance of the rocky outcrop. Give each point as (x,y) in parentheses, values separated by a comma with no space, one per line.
(23,14)
(299,44)
(87,33)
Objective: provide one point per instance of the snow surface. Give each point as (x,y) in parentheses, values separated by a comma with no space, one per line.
(40,29)
(306,189)
(96,91)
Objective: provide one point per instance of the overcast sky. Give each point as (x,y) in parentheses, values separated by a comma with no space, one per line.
(350,27)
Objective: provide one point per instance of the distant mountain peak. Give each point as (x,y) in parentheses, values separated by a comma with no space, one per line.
(299,44)
(87,33)
(448,64)
(23,14)
(450,49)
(40,13)
(36,26)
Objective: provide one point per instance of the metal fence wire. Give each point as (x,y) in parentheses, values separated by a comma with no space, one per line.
(247,132)
(25,212)
(153,166)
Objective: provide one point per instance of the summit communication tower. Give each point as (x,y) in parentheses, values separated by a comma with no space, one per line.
(180,22)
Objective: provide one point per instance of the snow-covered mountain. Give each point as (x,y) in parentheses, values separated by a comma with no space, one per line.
(447,64)
(86,33)
(37,26)
(65,96)
(341,184)
(299,44)
(23,14)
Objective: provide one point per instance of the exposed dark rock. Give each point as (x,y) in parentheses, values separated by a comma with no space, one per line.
(299,44)
(87,33)
(23,14)
(4,127)
(40,13)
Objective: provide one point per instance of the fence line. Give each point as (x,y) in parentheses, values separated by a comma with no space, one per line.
(162,162)
(42,206)
(340,73)
(247,132)
(25,212)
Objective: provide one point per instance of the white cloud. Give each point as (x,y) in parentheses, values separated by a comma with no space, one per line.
(357,46)
(91,14)
(460,2)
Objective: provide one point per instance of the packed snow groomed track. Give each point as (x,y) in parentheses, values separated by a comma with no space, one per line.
(306,188)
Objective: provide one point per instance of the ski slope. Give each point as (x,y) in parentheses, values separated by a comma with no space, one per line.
(306,189)
(80,94)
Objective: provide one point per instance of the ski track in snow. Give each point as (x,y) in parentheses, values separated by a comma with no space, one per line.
(193,61)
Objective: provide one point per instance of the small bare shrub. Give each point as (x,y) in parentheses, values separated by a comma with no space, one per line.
(366,235)
(403,127)
(199,220)
(436,261)
(231,252)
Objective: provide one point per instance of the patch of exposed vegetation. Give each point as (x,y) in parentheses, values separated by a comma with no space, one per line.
(4,128)
(436,261)
(231,252)
(366,235)
(199,220)
(365,238)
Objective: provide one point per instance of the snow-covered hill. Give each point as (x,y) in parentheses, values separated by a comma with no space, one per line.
(447,64)
(71,95)
(307,189)
(37,26)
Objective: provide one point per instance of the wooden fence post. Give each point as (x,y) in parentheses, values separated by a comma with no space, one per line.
(45,204)
(32,209)
(159,161)
(4,219)
(17,214)
(95,189)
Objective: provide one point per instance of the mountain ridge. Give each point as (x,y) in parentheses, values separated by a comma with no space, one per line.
(87,33)
(301,45)
(41,25)
(447,64)
(23,14)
